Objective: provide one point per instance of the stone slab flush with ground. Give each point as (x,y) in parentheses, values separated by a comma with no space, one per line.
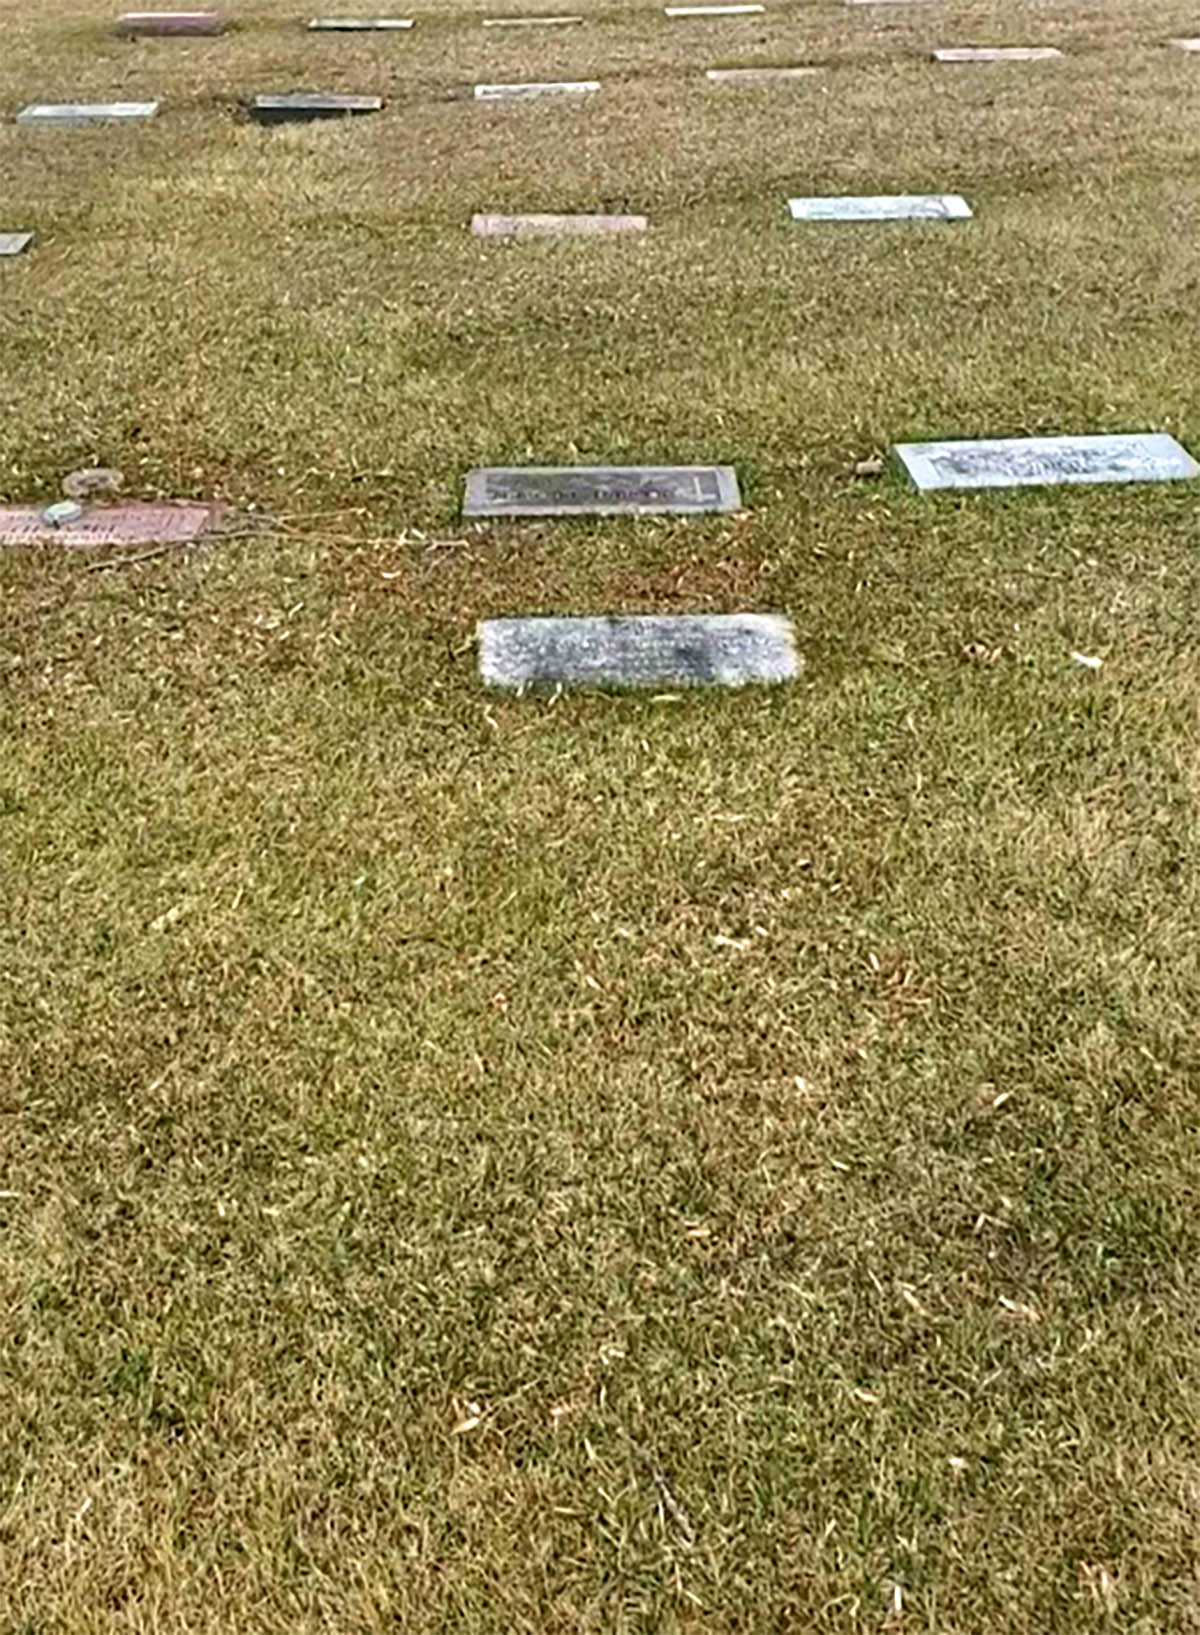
(883,207)
(1025,462)
(136,523)
(554,226)
(14,243)
(84,113)
(600,491)
(638,650)
(170,23)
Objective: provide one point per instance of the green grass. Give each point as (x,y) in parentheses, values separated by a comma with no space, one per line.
(608,1164)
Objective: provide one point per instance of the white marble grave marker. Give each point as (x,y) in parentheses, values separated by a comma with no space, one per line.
(84,113)
(1187,45)
(544,226)
(358,25)
(996,53)
(524,93)
(529,22)
(1025,462)
(600,491)
(711,11)
(638,650)
(14,243)
(756,76)
(883,207)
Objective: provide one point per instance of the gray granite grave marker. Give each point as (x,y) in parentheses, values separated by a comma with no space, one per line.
(756,76)
(711,11)
(84,113)
(638,650)
(554,226)
(304,105)
(170,23)
(358,25)
(136,523)
(529,22)
(882,207)
(519,93)
(599,491)
(1023,462)
(14,243)
(996,53)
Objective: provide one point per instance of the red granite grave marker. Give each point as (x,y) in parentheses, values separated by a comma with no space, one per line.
(136,523)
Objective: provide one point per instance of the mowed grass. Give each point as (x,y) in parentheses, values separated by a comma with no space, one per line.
(603,1163)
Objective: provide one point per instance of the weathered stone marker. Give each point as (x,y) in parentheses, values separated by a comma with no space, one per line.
(756,76)
(883,207)
(599,491)
(997,53)
(14,243)
(638,650)
(358,25)
(160,23)
(84,113)
(1187,45)
(711,11)
(553,226)
(1024,462)
(521,93)
(136,523)
(303,105)
(529,22)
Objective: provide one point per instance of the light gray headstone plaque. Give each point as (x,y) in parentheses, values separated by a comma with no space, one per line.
(1187,45)
(1024,462)
(84,113)
(554,226)
(358,25)
(711,11)
(529,22)
(756,76)
(521,93)
(14,243)
(302,105)
(883,207)
(599,491)
(638,650)
(136,523)
(997,53)
(170,23)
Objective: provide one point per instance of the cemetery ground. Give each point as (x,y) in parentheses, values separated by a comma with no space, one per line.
(725,1161)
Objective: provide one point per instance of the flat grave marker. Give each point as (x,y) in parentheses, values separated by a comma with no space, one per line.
(14,243)
(1026,462)
(135,523)
(600,491)
(711,11)
(546,226)
(525,93)
(883,207)
(1187,45)
(756,76)
(305,105)
(638,650)
(170,23)
(358,25)
(996,53)
(529,22)
(84,113)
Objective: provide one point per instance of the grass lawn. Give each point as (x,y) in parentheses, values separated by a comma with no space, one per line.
(601,1164)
